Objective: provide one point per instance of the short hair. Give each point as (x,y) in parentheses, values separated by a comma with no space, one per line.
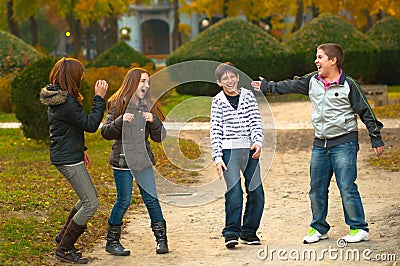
(333,50)
(225,68)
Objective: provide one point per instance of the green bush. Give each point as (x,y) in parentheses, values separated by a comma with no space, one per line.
(122,55)
(15,54)
(240,42)
(25,90)
(386,35)
(360,52)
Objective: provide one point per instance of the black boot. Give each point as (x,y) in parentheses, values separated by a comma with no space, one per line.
(61,233)
(113,245)
(66,251)
(160,232)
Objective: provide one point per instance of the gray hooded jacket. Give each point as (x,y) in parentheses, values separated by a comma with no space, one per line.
(131,148)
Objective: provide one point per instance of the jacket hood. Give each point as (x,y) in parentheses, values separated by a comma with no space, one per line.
(53,95)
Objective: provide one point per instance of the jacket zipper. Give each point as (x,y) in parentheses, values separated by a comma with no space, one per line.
(322,117)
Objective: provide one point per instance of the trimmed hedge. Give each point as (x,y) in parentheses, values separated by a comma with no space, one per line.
(360,52)
(122,55)
(25,90)
(386,35)
(15,54)
(240,42)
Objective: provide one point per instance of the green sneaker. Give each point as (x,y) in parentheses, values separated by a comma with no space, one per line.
(314,236)
(356,235)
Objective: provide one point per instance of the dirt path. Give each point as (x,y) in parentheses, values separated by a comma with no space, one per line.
(194,233)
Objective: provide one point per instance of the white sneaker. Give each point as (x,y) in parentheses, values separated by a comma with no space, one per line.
(314,236)
(356,235)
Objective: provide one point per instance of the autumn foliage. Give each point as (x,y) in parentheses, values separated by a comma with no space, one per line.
(15,54)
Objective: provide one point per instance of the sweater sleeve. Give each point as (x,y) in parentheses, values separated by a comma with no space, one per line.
(78,117)
(112,128)
(360,104)
(157,129)
(256,131)
(295,85)
(216,130)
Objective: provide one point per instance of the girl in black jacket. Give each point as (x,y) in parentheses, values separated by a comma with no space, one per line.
(68,121)
(131,119)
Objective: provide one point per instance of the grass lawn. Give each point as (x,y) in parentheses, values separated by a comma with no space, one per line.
(35,198)
(7,117)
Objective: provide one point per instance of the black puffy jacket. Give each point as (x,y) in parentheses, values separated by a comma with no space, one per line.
(68,122)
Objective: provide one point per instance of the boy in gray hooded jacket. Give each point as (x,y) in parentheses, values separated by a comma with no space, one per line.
(336,100)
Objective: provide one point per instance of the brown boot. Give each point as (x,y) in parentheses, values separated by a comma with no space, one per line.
(66,251)
(58,238)
(61,233)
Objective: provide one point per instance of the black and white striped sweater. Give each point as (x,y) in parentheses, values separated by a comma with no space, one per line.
(234,129)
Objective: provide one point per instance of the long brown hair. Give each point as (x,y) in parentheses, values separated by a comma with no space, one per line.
(67,73)
(120,99)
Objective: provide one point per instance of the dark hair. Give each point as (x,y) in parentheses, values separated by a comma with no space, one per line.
(333,50)
(120,99)
(225,68)
(67,73)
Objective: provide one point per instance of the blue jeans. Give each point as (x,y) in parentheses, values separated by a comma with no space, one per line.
(341,160)
(238,160)
(147,186)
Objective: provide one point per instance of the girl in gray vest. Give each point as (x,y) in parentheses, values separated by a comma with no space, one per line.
(133,118)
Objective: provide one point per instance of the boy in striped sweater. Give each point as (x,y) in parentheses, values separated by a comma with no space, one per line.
(236,138)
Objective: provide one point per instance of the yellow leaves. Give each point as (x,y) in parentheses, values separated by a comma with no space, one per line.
(184,28)
(388,111)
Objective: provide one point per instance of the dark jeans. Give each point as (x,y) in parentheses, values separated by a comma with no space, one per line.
(238,160)
(341,160)
(147,186)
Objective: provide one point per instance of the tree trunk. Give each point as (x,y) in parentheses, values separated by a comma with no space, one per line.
(100,46)
(225,9)
(87,43)
(111,34)
(34,30)
(176,35)
(12,25)
(77,40)
(75,29)
(369,21)
(314,10)
(299,16)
